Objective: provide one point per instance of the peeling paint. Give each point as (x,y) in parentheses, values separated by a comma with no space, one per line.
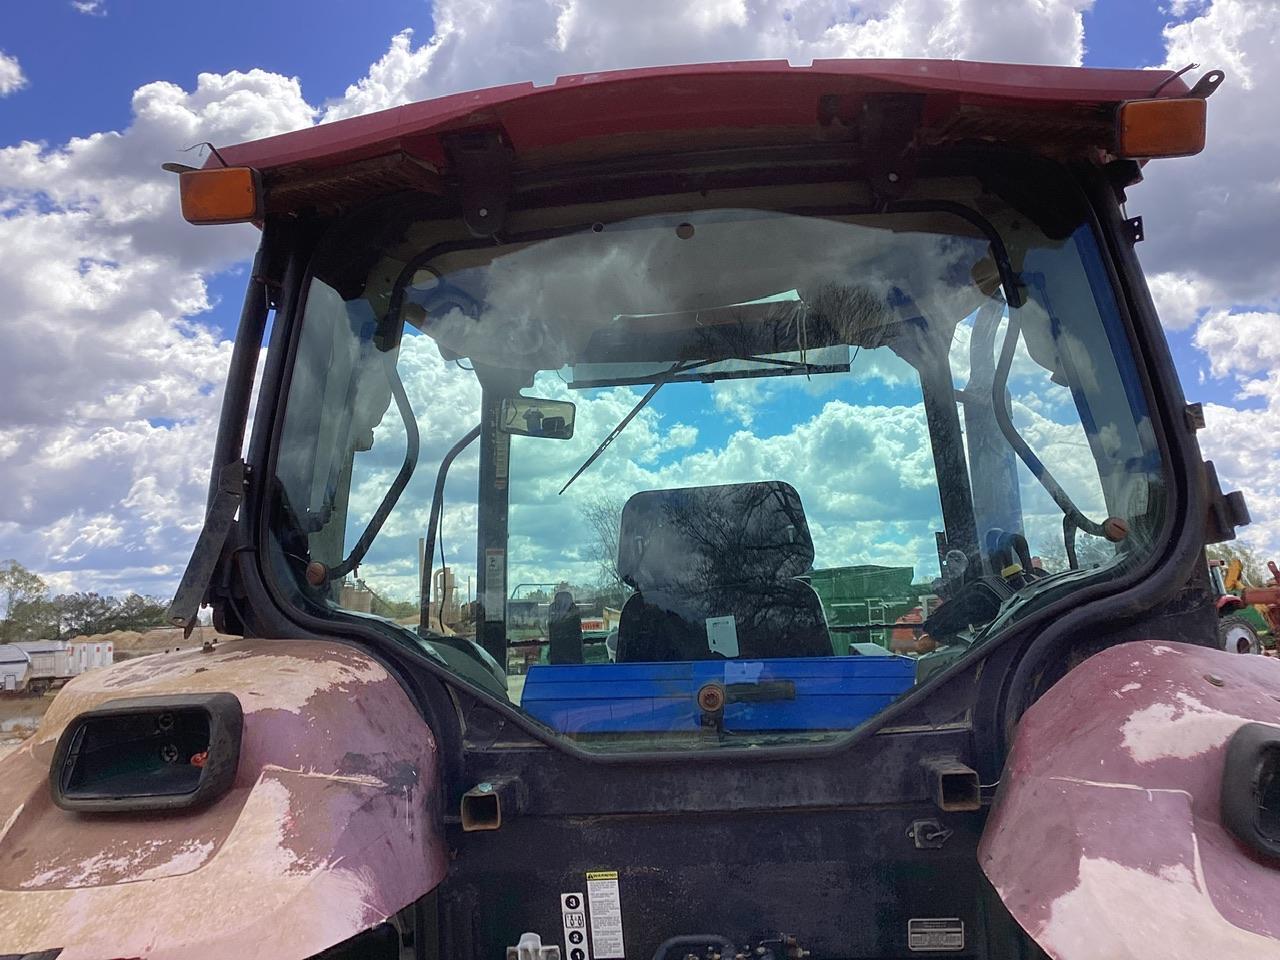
(1184,728)
(1135,864)
(13,817)
(330,827)
(1131,911)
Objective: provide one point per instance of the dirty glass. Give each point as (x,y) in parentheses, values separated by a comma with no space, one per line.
(811,459)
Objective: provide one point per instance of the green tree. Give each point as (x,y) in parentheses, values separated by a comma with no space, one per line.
(136,612)
(85,613)
(20,592)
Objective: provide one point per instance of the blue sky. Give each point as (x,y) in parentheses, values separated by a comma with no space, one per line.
(105,483)
(86,66)
(86,77)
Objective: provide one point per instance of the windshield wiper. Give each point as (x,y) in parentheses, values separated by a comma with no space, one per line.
(684,366)
(680,366)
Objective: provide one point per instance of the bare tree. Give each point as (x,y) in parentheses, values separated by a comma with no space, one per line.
(602,518)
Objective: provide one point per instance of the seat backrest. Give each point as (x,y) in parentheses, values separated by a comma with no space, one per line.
(714,572)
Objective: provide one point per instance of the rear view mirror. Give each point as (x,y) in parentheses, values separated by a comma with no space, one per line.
(532,417)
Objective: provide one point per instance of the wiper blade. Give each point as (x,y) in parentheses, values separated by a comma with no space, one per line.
(680,366)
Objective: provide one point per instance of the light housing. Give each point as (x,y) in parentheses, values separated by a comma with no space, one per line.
(1171,127)
(221,195)
(166,752)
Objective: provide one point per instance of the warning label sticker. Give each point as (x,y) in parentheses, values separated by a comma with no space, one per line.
(573,915)
(935,934)
(606,915)
(495,586)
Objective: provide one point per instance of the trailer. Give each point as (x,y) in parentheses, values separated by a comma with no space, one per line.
(15,668)
(53,662)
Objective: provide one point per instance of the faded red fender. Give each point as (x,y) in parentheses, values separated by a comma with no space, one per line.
(329,828)
(1106,839)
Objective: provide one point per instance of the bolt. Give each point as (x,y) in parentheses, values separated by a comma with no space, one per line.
(483,211)
(1115,529)
(893,178)
(1216,681)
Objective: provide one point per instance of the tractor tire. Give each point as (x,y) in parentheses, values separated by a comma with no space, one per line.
(1236,635)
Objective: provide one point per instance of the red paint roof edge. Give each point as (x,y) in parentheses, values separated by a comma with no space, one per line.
(1026,84)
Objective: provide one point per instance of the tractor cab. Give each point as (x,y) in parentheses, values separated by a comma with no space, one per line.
(682,408)
(667,492)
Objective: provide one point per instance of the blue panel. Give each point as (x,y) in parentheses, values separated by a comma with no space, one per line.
(830,693)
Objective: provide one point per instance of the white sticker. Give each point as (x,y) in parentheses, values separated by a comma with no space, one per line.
(573,916)
(501,460)
(495,587)
(722,636)
(606,915)
(935,934)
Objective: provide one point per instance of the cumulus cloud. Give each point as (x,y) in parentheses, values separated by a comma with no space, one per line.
(1213,229)
(113,376)
(112,382)
(478,43)
(1213,221)
(11,77)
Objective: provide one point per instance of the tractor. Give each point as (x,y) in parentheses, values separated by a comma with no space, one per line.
(876,317)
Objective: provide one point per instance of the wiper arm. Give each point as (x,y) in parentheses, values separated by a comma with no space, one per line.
(680,366)
(677,368)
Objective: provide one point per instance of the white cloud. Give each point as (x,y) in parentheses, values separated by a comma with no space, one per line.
(11,77)
(481,43)
(1180,299)
(1245,346)
(1213,229)
(92,8)
(1244,343)
(1213,221)
(112,381)
(111,387)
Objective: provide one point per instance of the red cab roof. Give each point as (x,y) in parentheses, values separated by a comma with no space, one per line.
(595,114)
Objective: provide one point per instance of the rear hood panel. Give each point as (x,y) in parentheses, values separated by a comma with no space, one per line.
(331,825)
(1106,838)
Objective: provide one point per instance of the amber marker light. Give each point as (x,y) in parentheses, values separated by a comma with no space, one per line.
(221,195)
(1160,128)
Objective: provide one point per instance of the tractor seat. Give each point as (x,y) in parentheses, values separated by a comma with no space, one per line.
(714,570)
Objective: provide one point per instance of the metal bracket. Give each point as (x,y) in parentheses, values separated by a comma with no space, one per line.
(481,160)
(1205,86)
(1195,416)
(1226,510)
(888,124)
(185,607)
(929,834)
(1134,226)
